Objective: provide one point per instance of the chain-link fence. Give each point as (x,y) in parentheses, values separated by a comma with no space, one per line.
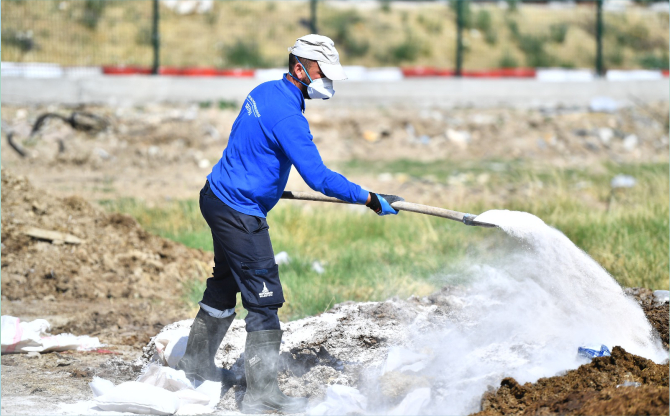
(255,33)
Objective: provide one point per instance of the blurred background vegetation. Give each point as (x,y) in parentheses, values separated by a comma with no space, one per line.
(256,33)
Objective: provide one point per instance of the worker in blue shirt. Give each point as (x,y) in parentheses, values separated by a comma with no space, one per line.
(269,136)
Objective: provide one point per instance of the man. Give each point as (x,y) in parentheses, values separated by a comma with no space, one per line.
(268,137)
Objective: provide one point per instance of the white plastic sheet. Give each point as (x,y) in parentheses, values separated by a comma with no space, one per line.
(340,400)
(23,337)
(412,403)
(404,360)
(171,345)
(165,377)
(141,398)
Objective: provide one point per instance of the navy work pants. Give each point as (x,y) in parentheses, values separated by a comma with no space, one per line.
(243,262)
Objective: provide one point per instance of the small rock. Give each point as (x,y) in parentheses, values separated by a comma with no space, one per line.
(282,258)
(630,142)
(605,134)
(203,163)
(317,267)
(33,354)
(370,136)
(458,137)
(153,150)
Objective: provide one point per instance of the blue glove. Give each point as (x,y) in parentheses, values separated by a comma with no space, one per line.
(381,203)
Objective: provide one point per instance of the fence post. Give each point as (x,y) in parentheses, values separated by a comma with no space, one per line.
(459,37)
(312,16)
(600,70)
(155,40)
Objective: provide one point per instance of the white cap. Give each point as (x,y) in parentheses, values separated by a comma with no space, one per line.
(321,49)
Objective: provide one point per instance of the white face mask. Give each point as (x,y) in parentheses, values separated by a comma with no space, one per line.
(319,88)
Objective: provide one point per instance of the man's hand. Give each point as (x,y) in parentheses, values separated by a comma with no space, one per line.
(381,203)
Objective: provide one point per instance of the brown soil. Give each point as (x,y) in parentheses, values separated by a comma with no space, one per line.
(117,259)
(658,314)
(589,390)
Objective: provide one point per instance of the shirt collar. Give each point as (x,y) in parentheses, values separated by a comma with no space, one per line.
(295,91)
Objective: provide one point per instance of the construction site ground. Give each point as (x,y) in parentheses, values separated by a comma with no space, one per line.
(123,284)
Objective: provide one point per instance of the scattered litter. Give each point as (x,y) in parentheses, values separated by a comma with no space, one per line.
(102,153)
(165,377)
(54,236)
(459,137)
(78,120)
(282,258)
(171,345)
(402,359)
(25,337)
(662,296)
(603,105)
(622,181)
(318,267)
(340,400)
(630,142)
(136,397)
(100,386)
(370,136)
(412,403)
(605,134)
(592,352)
(629,384)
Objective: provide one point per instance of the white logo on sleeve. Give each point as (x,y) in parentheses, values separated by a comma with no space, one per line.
(251,107)
(265,293)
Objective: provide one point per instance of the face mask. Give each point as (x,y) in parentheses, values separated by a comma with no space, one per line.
(319,88)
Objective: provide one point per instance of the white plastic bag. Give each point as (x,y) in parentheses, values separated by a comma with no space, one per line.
(19,337)
(100,386)
(141,398)
(165,377)
(340,400)
(412,403)
(402,359)
(171,345)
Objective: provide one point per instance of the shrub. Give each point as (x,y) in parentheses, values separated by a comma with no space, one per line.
(653,61)
(507,60)
(340,28)
(533,47)
(144,36)
(558,32)
(18,39)
(93,10)
(483,21)
(243,54)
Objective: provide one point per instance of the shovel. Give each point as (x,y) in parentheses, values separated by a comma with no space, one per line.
(467,219)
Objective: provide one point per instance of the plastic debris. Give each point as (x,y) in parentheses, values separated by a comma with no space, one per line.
(603,105)
(171,345)
(622,181)
(24,337)
(340,400)
(412,403)
(662,296)
(165,377)
(592,353)
(403,360)
(100,386)
(629,384)
(136,397)
(282,258)
(318,267)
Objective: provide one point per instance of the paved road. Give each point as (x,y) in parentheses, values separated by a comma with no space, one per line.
(425,92)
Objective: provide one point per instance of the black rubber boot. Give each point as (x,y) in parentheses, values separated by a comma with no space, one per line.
(261,355)
(204,340)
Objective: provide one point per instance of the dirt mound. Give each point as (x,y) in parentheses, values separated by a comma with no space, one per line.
(622,384)
(657,313)
(116,258)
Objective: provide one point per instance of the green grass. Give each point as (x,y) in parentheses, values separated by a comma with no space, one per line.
(371,258)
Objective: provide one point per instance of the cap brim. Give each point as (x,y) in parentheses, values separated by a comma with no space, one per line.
(333,72)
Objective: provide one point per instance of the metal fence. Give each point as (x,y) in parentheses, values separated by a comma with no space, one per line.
(456,35)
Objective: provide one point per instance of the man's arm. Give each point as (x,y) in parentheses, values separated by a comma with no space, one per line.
(296,140)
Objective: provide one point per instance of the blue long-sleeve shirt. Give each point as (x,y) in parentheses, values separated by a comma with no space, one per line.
(269,135)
